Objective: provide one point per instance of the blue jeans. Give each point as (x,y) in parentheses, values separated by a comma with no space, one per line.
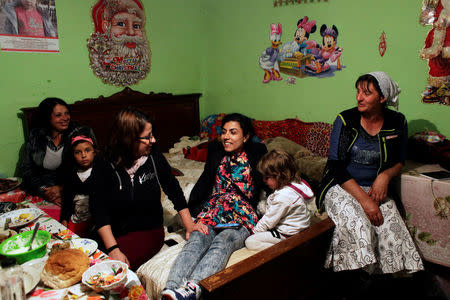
(204,255)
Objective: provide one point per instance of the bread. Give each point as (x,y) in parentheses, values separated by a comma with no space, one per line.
(64,268)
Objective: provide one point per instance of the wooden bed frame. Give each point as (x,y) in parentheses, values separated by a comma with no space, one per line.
(173,116)
(292,269)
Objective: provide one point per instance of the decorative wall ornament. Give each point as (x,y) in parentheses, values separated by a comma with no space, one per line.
(382,44)
(290,2)
(302,56)
(118,49)
(437,51)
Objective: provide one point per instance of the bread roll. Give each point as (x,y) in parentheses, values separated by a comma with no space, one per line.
(64,268)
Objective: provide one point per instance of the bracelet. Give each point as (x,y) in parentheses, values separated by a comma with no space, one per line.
(111,248)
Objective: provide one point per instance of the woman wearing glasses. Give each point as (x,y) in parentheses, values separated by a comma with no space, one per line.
(127,213)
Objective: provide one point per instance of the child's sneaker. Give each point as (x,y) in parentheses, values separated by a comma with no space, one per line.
(190,291)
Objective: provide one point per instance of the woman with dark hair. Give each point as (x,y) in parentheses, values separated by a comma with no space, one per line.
(224,200)
(48,149)
(127,209)
(367,149)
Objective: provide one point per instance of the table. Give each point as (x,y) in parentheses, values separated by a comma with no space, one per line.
(132,290)
(427,205)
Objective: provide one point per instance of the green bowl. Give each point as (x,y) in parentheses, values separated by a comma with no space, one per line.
(11,246)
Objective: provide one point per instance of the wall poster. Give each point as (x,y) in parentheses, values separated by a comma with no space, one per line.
(303,55)
(118,49)
(28,26)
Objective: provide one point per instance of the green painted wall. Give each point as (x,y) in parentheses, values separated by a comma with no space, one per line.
(213,47)
(239,32)
(174,32)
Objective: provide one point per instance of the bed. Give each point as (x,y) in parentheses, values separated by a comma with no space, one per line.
(293,268)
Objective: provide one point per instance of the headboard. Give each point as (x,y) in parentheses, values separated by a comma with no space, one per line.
(173,116)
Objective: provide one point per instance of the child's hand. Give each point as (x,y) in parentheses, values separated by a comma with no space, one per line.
(64,223)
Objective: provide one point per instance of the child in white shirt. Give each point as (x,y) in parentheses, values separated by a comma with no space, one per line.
(286,212)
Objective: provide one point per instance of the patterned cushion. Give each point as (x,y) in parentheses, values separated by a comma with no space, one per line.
(211,126)
(318,138)
(315,136)
(293,129)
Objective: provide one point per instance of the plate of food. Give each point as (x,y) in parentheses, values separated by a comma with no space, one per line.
(8,184)
(20,217)
(88,246)
(106,275)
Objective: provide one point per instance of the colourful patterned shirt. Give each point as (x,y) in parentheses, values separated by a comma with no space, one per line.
(227,204)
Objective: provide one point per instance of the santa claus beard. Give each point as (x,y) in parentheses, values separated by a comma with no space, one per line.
(109,55)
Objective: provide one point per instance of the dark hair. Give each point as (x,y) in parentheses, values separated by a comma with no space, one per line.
(366,80)
(43,114)
(244,121)
(280,165)
(126,130)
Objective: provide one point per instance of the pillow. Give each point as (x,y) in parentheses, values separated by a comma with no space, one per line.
(318,138)
(312,166)
(287,145)
(211,126)
(293,129)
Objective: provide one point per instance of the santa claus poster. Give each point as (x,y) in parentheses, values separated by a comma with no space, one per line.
(119,51)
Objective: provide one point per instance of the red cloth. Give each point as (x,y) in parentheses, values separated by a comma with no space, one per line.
(197,153)
(83,229)
(315,136)
(140,246)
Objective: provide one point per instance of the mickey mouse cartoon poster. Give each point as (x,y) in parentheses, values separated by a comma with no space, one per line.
(313,51)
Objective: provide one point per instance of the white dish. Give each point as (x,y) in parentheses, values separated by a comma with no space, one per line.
(88,246)
(103,269)
(32,273)
(20,217)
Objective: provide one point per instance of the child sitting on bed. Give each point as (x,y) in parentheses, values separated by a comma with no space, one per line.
(78,187)
(286,212)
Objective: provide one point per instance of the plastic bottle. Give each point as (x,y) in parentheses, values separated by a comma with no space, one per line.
(11,277)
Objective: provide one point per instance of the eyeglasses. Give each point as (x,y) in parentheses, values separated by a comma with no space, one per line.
(149,137)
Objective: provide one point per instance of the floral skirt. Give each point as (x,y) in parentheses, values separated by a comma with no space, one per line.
(357,244)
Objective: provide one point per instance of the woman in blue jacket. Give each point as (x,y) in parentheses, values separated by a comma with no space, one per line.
(367,149)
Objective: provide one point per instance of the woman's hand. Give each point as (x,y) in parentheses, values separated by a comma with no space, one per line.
(372,211)
(53,194)
(187,221)
(116,254)
(201,228)
(379,188)
(368,204)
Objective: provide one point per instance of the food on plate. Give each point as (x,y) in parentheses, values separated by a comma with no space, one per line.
(64,268)
(102,279)
(25,217)
(7,184)
(58,247)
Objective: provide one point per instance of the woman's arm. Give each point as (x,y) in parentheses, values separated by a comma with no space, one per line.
(368,204)
(109,241)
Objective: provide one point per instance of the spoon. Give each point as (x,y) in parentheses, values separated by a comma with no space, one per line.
(36,227)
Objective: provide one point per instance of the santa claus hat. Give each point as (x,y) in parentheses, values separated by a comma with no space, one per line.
(106,9)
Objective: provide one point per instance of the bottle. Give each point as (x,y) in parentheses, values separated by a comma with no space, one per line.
(12,287)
